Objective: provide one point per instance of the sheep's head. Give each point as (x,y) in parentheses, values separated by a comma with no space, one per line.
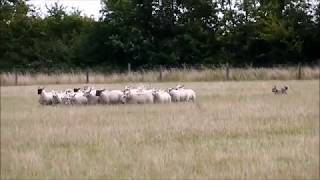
(76,89)
(274,89)
(154,92)
(98,92)
(126,90)
(68,91)
(87,92)
(127,95)
(55,98)
(40,89)
(66,99)
(72,98)
(123,98)
(170,89)
(284,90)
(85,87)
(54,94)
(179,86)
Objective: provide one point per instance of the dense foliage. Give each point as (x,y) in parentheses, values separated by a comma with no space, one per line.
(146,33)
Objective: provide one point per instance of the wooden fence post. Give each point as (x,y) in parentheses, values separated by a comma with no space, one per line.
(15,77)
(160,75)
(129,68)
(299,71)
(87,76)
(227,71)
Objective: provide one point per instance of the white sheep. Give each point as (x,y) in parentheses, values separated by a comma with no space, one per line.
(180,94)
(46,98)
(138,97)
(57,97)
(90,94)
(63,97)
(190,94)
(78,98)
(161,96)
(175,94)
(110,96)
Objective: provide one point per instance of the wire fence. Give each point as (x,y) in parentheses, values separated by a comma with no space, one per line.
(162,74)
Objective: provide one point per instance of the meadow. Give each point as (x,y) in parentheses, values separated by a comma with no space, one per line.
(236,129)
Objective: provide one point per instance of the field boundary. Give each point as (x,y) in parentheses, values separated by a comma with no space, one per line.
(225,73)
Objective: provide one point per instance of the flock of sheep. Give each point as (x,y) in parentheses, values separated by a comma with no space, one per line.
(129,95)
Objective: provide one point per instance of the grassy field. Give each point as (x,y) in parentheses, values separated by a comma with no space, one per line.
(235,130)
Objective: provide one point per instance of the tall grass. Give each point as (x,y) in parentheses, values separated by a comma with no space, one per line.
(236,130)
(186,75)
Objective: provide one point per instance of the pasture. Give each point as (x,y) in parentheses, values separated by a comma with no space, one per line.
(234,130)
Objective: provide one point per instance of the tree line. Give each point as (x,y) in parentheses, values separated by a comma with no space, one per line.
(148,33)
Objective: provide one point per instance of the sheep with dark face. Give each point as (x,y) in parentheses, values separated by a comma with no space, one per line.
(46,98)
(275,90)
(284,90)
(76,89)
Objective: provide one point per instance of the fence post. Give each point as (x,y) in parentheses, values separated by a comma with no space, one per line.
(160,75)
(15,77)
(227,71)
(87,76)
(299,71)
(129,68)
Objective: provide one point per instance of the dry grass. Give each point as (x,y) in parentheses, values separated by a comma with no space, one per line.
(236,130)
(189,75)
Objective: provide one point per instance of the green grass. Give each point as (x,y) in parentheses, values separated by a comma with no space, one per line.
(235,130)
